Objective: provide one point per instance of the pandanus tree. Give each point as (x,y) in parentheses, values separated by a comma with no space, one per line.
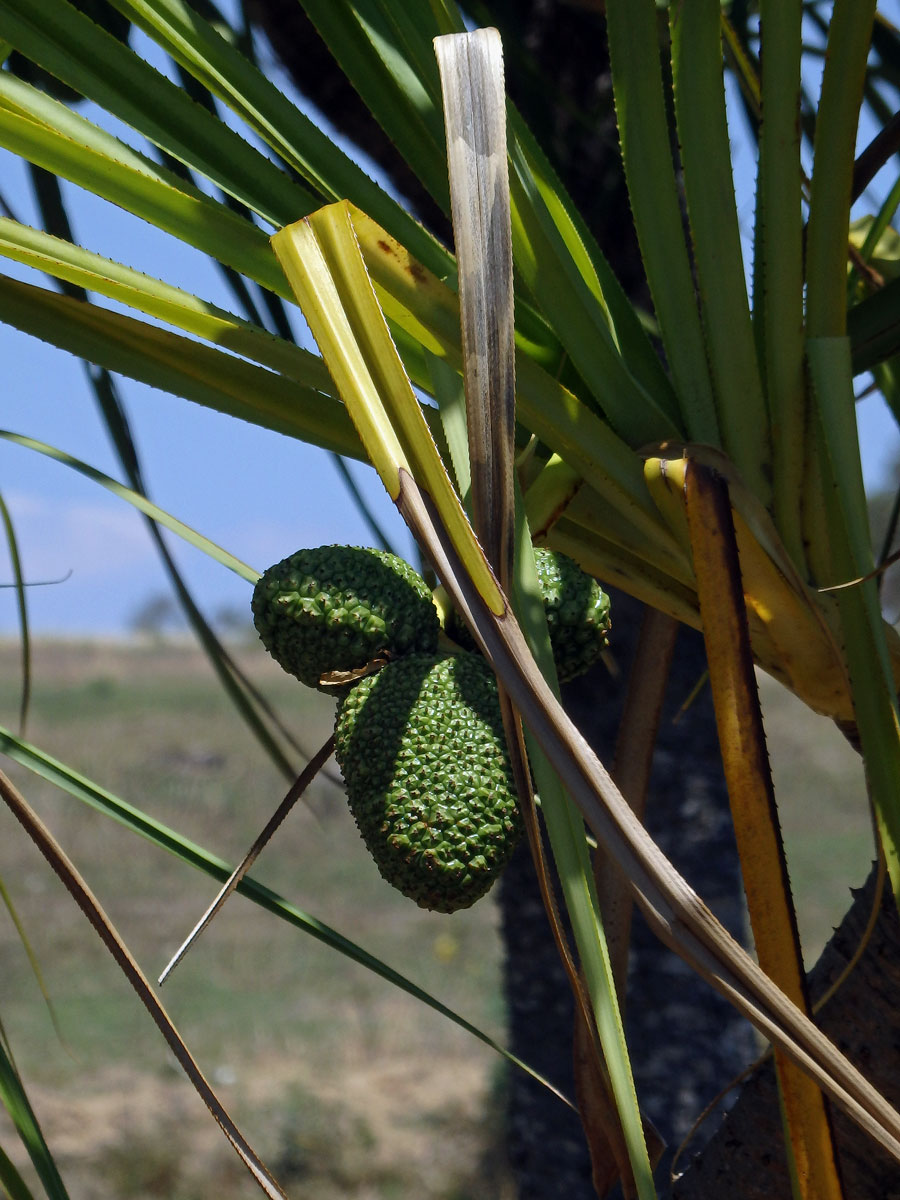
(697,451)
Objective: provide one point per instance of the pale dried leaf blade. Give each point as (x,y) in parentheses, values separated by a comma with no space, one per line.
(471,66)
(89,905)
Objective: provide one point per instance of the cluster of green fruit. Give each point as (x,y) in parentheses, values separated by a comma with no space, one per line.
(418,733)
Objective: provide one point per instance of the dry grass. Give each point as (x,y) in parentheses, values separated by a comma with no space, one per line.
(349,1087)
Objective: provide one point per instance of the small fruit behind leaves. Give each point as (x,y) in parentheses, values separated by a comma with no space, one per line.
(336,609)
(577,612)
(423,754)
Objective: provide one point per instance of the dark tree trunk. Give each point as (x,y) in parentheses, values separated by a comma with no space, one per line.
(745,1158)
(686,1041)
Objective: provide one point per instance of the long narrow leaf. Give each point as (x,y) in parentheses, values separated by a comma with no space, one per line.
(872,680)
(829,205)
(778,264)
(83,897)
(188,852)
(573,298)
(15,1100)
(32,957)
(294,794)
(362,362)
(176,364)
(93,272)
(10,1178)
(221,68)
(633,30)
(621,1142)
(751,794)
(709,190)
(556,206)
(65,42)
(22,604)
(363,38)
(139,501)
(475,112)
(45,132)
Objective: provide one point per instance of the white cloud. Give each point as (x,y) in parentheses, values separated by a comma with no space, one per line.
(96,538)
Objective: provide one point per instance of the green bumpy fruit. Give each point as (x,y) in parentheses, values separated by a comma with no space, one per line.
(338,608)
(422,751)
(577,612)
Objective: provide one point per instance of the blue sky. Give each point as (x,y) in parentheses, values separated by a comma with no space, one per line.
(259,495)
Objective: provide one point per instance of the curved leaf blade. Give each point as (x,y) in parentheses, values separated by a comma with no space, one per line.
(9,1176)
(93,273)
(644,134)
(46,133)
(176,364)
(166,838)
(15,1101)
(86,901)
(182,32)
(65,42)
(138,501)
(699,92)
(12,544)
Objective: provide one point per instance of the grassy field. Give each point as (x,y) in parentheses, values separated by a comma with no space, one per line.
(346,1086)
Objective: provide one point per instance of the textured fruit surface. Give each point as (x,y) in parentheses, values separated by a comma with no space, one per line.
(336,608)
(577,612)
(422,751)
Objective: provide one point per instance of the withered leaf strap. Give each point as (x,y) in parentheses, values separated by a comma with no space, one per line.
(475,116)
